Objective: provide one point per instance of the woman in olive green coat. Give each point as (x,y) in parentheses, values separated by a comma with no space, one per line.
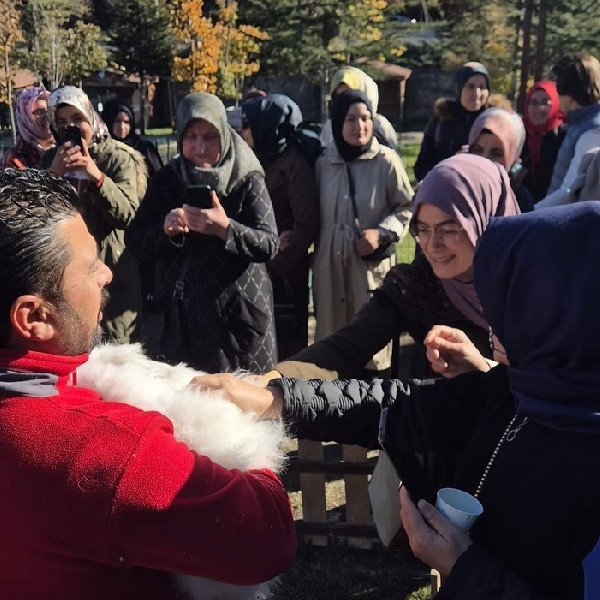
(110,178)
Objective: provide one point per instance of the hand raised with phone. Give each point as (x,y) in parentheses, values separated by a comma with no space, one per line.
(72,155)
(204,213)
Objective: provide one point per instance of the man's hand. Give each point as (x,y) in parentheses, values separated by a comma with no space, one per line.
(209,221)
(249,397)
(433,538)
(450,352)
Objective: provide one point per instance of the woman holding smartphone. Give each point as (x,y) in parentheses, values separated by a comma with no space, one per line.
(109,177)
(215,255)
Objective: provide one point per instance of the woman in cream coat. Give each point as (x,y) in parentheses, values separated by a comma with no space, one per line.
(343,279)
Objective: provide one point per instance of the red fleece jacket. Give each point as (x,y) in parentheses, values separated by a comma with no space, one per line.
(98,500)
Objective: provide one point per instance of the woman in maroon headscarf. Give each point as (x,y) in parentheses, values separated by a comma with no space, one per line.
(545,132)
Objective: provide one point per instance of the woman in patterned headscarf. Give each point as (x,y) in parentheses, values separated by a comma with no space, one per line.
(110,178)
(35,136)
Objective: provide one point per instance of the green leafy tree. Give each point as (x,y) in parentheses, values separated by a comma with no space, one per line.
(140,35)
(573,26)
(486,32)
(306,37)
(56,31)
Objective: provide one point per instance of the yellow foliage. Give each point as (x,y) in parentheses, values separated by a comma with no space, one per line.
(221,53)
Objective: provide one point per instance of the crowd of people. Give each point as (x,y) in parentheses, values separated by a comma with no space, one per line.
(206,260)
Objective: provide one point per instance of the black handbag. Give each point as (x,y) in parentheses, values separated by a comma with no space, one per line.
(175,346)
(387,238)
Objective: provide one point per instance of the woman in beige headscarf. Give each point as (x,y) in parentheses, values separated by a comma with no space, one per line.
(351,78)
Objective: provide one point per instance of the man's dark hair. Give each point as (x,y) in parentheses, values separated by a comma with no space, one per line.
(578,75)
(33,257)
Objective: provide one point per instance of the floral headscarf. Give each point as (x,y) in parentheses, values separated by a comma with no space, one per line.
(29,128)
(74,96)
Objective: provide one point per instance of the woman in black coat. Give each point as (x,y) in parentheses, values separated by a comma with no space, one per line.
(120,120)
(448,129)
(214,256)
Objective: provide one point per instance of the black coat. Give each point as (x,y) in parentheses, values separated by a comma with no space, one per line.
(541,497)
(445,133)
(410,300)
(538,178)
(227,293)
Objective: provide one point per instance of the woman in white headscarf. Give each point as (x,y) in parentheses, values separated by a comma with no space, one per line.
(109,177)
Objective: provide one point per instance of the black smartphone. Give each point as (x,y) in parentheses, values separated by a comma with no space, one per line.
(71,134)
(408,468)
(199,196)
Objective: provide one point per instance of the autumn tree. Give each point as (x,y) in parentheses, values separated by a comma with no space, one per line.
(10,35)
(214,51)
(239,51)
(198,46)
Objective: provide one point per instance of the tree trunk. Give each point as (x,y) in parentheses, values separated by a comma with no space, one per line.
(525,53)
(541,41)
(142,103)
(13,125)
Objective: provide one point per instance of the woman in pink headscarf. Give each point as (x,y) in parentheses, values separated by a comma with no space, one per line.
(498,134)
(545,127)
(35,136)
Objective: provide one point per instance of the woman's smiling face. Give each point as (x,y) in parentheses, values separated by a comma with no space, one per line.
(448,260)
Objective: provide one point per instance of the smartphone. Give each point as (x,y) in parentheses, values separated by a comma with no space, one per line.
(199,196)
(408,468)
(71,134)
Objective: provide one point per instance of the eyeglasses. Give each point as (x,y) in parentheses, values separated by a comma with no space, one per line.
(447,233)
(541,103)
(40,112)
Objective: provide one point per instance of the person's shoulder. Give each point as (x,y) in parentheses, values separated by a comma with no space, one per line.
(444,110)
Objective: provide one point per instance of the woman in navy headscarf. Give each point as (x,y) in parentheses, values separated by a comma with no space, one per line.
(540,484)
(269,126)
(120,120)
(528,434)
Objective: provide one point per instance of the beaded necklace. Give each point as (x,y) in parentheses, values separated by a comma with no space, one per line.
(510,433)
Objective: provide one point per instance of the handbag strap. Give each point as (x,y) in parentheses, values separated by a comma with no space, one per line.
(180,283)
(351,190)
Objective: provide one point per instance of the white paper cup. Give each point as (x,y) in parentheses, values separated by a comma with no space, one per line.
(459,507)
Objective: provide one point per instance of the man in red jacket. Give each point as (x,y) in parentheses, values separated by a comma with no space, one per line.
(98,500)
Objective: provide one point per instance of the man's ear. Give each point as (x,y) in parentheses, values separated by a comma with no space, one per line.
(33,319)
